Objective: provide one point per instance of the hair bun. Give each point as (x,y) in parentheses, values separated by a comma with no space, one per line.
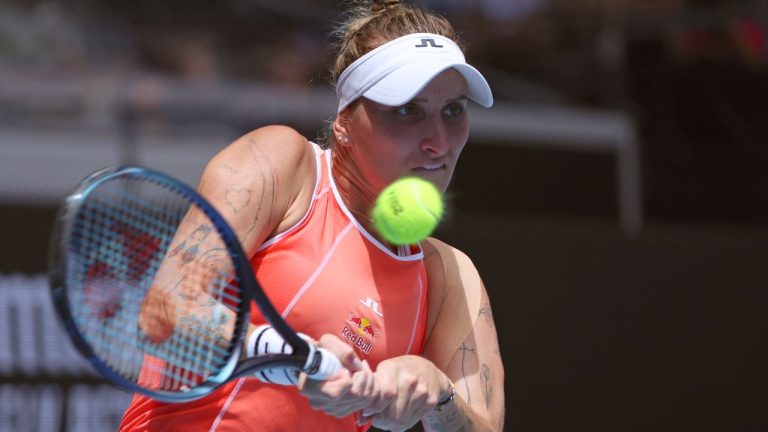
(383,5)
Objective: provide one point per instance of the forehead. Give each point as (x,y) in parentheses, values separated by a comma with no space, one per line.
(449,84)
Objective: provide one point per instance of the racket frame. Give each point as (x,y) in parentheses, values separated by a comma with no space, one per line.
(249,289)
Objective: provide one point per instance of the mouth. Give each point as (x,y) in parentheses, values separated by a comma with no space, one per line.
(432,167)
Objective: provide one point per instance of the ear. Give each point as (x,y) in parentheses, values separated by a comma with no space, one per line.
(341,128)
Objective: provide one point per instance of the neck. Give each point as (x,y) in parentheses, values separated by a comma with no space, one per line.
(355,190)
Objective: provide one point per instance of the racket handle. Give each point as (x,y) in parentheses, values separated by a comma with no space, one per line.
(321,364)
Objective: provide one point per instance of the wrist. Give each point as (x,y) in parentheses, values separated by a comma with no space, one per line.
(447,396)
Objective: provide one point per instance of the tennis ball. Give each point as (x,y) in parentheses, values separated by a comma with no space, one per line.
(408,210)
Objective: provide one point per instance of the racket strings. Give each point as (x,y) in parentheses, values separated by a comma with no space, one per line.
(120,240)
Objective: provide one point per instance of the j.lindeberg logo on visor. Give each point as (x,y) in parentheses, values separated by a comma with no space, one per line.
(393,73)
(428,42)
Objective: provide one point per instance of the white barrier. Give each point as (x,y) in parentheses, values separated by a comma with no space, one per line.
(32,341)
(41,408)
(33,350)
(180,127)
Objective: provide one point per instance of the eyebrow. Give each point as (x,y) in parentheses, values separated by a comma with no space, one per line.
(460,98)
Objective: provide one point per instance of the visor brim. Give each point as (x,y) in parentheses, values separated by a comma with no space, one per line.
(403,84)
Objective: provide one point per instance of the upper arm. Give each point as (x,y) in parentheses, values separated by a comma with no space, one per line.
(255,183)
(477,370)
(455,295)
(259,182)
(463,341)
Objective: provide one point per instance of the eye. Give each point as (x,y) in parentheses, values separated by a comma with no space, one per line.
(405,110)
(454,110)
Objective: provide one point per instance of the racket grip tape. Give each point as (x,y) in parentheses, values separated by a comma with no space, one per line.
(321,364)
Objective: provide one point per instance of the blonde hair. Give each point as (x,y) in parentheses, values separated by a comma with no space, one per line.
(370,25)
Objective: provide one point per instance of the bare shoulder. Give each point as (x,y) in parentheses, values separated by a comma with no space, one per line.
(455,266)
(274,157)
(447,251)
(281,146)
(455,292)
(261,182)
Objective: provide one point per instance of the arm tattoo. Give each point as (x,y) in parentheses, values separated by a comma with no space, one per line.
(485,374)
(230,169)
(198,278)
(178,248)
(486,312)
(458,417)
(190,252)
(455,420)
(264,169)
(464,350)
(237,199)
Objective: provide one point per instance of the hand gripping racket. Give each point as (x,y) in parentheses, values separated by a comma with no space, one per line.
(154,289)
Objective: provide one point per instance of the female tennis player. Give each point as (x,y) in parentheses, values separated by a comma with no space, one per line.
(412,325)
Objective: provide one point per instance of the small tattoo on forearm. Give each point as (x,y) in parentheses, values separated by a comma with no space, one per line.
(200,233)
(464,350)
(487,313)
(454,420)
(190,252)
(485,374)
(178,249)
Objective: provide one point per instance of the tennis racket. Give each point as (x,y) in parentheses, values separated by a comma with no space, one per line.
(154,289)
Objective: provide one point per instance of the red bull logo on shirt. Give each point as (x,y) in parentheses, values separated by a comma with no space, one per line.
(359,331)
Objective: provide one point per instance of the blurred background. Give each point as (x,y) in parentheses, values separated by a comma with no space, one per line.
(615,199)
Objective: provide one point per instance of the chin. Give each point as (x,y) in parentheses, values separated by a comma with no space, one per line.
(441,178)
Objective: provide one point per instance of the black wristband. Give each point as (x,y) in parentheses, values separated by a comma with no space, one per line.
(450,397)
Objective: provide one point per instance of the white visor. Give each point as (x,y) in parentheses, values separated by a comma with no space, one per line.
(394,73)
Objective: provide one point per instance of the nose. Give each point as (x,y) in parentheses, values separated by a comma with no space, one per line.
(435,140)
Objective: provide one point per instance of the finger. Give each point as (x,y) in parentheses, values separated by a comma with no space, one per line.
(307,384)
(345,353)
(364,420)
(371,388)
(361,394)
(386,394)
(358,396)
(340,406)
(395,415)
(360,382)
(368,387)
(337,387)
(338,411)
(334,407)
(343,410)
(418,407)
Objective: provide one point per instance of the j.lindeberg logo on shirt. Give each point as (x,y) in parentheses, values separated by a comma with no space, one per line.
(372,305)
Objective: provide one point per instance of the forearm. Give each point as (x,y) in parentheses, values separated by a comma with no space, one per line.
(478,372)
(457,416)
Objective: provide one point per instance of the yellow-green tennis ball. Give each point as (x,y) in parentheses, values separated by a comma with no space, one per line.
(408,210)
